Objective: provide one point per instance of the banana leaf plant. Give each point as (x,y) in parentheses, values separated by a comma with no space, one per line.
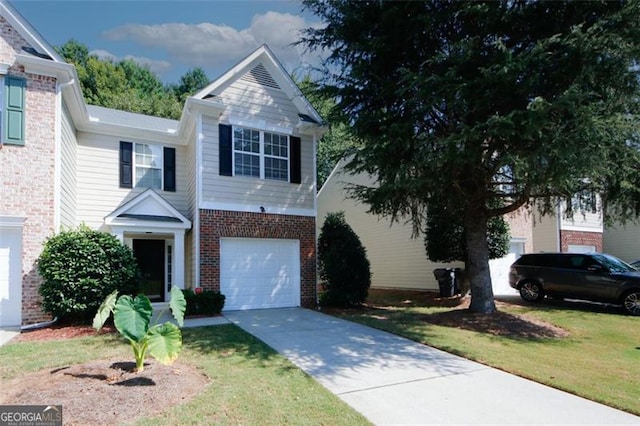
(132,317)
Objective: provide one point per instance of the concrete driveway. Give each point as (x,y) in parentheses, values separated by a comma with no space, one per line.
(392,380)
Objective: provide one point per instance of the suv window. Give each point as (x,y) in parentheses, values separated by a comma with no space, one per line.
(613,264)
(545,260)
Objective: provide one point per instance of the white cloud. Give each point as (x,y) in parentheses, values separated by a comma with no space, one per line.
(104,55)
(211,45)
(157,66)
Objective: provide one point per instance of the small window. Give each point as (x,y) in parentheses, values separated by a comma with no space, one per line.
(246,146)
(276,160)
(148,166)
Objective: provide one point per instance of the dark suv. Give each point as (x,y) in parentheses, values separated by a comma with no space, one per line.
(596,277)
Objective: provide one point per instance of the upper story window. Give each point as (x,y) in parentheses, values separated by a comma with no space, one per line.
(260,154)
(148,170)
(147,166)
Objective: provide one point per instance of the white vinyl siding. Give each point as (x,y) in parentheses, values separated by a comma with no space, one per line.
(99,192)
(622,241)
(545,234)
(588,221)
(69,164)
(246,190)
(397,260)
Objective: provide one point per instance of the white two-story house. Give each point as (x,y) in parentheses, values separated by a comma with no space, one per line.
(222,199)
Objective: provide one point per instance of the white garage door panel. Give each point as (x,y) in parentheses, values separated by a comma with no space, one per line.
(10,277)
(259,273)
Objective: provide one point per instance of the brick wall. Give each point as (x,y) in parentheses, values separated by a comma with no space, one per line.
(215,224)
(28,171)
(582,238)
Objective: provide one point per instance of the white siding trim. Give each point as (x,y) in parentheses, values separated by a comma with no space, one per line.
(259,125)
(196,213)
(57,174)
(315,174)
(581,228)
(237,207)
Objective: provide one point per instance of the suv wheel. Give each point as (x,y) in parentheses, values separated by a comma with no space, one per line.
(531,291)
(631,302)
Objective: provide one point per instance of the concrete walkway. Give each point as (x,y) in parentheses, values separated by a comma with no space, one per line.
(7,334)
(392,380)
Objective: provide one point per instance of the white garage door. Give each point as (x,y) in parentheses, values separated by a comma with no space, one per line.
(10,276)
(259,273)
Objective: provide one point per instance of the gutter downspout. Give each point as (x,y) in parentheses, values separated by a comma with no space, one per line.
(38,325)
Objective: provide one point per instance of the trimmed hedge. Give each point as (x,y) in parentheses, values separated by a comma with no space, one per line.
(80,268)
(206,302)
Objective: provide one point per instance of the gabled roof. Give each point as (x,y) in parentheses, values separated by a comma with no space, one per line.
(263,66)
(41,58)
(40,46)
(150,209)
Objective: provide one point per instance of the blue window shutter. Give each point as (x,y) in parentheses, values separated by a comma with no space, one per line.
(13,111)
(225,150)
(170,169)
(295,166)
(126,165)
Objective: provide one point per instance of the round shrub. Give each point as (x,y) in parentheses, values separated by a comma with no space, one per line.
(80,268)
(344,268)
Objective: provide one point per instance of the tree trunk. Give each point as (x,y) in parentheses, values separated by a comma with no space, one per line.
(477,263)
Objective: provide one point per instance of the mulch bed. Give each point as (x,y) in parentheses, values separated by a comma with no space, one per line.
(107,391)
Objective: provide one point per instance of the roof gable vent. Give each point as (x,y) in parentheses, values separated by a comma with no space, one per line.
(260,75)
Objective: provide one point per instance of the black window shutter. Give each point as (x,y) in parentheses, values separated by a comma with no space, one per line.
(225,150)
(170,169)
(126,165)
(295,169)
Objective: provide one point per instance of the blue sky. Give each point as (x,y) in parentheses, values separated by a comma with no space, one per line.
(174,36)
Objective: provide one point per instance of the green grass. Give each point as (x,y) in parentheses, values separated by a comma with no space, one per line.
(598,360)
(250,383)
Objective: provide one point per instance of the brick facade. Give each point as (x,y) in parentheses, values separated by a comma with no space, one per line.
(582,238)
(21,167)
(215,224)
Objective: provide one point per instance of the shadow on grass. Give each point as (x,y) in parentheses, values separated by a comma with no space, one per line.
(225,340)
(564,304)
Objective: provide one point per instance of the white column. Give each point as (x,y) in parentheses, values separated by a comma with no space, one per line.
(178,258)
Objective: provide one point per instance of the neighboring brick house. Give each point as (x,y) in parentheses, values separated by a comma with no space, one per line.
(223,198)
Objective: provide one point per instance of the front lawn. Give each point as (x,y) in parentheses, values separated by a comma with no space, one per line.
(249,382)
(598,357)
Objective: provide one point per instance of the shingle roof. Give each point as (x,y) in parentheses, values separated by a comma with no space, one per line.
(130,119)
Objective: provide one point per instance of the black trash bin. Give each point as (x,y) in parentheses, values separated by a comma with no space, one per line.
(446,280)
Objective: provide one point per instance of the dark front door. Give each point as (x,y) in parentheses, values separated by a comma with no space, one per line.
(150,256)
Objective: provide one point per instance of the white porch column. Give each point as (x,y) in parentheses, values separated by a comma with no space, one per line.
(178,258)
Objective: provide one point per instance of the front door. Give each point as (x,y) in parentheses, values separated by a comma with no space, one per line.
(150,256)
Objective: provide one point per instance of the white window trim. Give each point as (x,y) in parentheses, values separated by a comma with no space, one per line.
(135,165)
(261,154)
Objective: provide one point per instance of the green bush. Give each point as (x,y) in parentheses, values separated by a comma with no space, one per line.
(80,268)
(205,302)
(342,260)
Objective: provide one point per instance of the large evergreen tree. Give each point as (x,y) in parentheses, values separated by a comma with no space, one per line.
(335,142)
(490,105)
